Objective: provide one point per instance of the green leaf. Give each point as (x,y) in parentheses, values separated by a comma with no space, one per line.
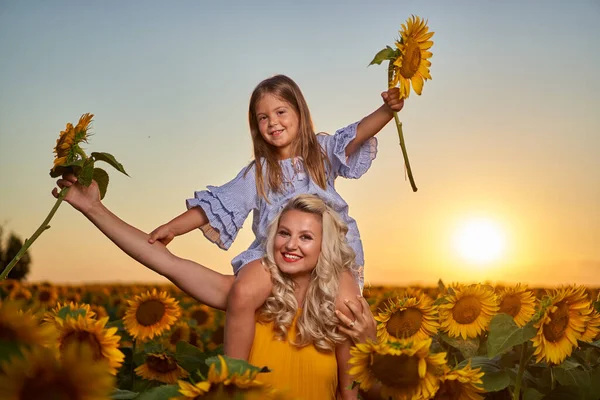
(101,178)
(163,392)
(9,348)
(468,348)
(574,376)
(564,393)
(119,394)
(191,358)
(597,305)
(74,167)
(532,394)
(495,377)
(441,300)
(109,158)
(385,54)
(595,378)
(86,174)
(505,334)
(235,365)
(66,311)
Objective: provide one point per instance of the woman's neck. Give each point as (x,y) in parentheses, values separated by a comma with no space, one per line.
(302,283)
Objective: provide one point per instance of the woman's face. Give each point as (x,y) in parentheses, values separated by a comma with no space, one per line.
(297,244)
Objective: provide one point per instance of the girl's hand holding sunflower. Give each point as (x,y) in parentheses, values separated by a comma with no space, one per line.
(391,98)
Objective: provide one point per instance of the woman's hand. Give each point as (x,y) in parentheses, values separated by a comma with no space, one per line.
(363,326)
(82,198)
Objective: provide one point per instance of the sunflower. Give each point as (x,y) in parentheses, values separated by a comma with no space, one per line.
(67,144)
(407,318)
(461,384)
(46,296)
(63,310)
(20,293)
(40,375)
(103,342)
(468,311)
(8,285)
(517,302)
(592,328)
(150,314)
(203,315)
(217,338)
(182,332)
(161,367)
(223,385)
(562,323)
(405,370)
(412,66)
(23,327)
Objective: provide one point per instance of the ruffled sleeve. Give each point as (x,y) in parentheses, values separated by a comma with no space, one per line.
(357,163)
(226,207)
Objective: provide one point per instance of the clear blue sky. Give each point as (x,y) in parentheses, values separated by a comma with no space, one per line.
(508,127)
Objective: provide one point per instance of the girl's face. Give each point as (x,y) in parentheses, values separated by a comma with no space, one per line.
(278,123)
(297,243)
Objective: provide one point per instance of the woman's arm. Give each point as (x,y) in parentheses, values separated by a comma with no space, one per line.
(362,326)
(348,290)
(203,284)
(370,125)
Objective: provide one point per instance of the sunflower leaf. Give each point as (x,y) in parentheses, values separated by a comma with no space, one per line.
(119,394)
(160,393)
(495,377)
(573,376)
(190,358)
(73,166)
(467,347)
(532,394)
(235,366)
(597,305)
(505,334)
(385,54)
(564,393)
(86,174)
(101,178)
(110,159)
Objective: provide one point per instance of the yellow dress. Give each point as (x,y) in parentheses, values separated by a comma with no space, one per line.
(303,373)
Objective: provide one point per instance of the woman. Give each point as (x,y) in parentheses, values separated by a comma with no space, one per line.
(308,258)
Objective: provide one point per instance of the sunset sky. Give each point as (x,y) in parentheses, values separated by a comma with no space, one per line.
(507,131)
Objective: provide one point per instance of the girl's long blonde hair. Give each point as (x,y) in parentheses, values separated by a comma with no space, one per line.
(317,323)
(306,146)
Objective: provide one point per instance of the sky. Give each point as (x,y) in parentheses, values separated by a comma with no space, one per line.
(506,131)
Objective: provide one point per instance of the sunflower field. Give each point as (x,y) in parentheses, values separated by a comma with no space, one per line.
(153,342)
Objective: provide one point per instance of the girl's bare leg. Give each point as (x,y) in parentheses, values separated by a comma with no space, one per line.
(251,288)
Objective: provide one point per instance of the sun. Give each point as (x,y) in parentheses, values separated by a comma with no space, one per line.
(480,240)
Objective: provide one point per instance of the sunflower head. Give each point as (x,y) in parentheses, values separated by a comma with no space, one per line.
(204,317)
(468,310)
(518,302)
(462,383)
(223,384)
(67,148)
(161,367)
(102,342)
(23,328)
(404,369)
(62,311)
(150,314)
(411,67)
(406,319)
(41,375)
(562,322)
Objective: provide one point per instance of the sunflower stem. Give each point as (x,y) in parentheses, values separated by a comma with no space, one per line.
(131,367)
(404,152)
(401,134)
(520,372)
(552,378)
(38,232)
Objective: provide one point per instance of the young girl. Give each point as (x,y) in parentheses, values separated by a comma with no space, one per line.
(289,159)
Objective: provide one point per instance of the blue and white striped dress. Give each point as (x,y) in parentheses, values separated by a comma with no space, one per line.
(228,206)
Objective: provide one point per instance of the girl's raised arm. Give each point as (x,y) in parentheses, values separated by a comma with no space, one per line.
(370,125)
(203,284)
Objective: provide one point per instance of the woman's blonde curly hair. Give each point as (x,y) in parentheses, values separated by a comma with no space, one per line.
(317,323)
